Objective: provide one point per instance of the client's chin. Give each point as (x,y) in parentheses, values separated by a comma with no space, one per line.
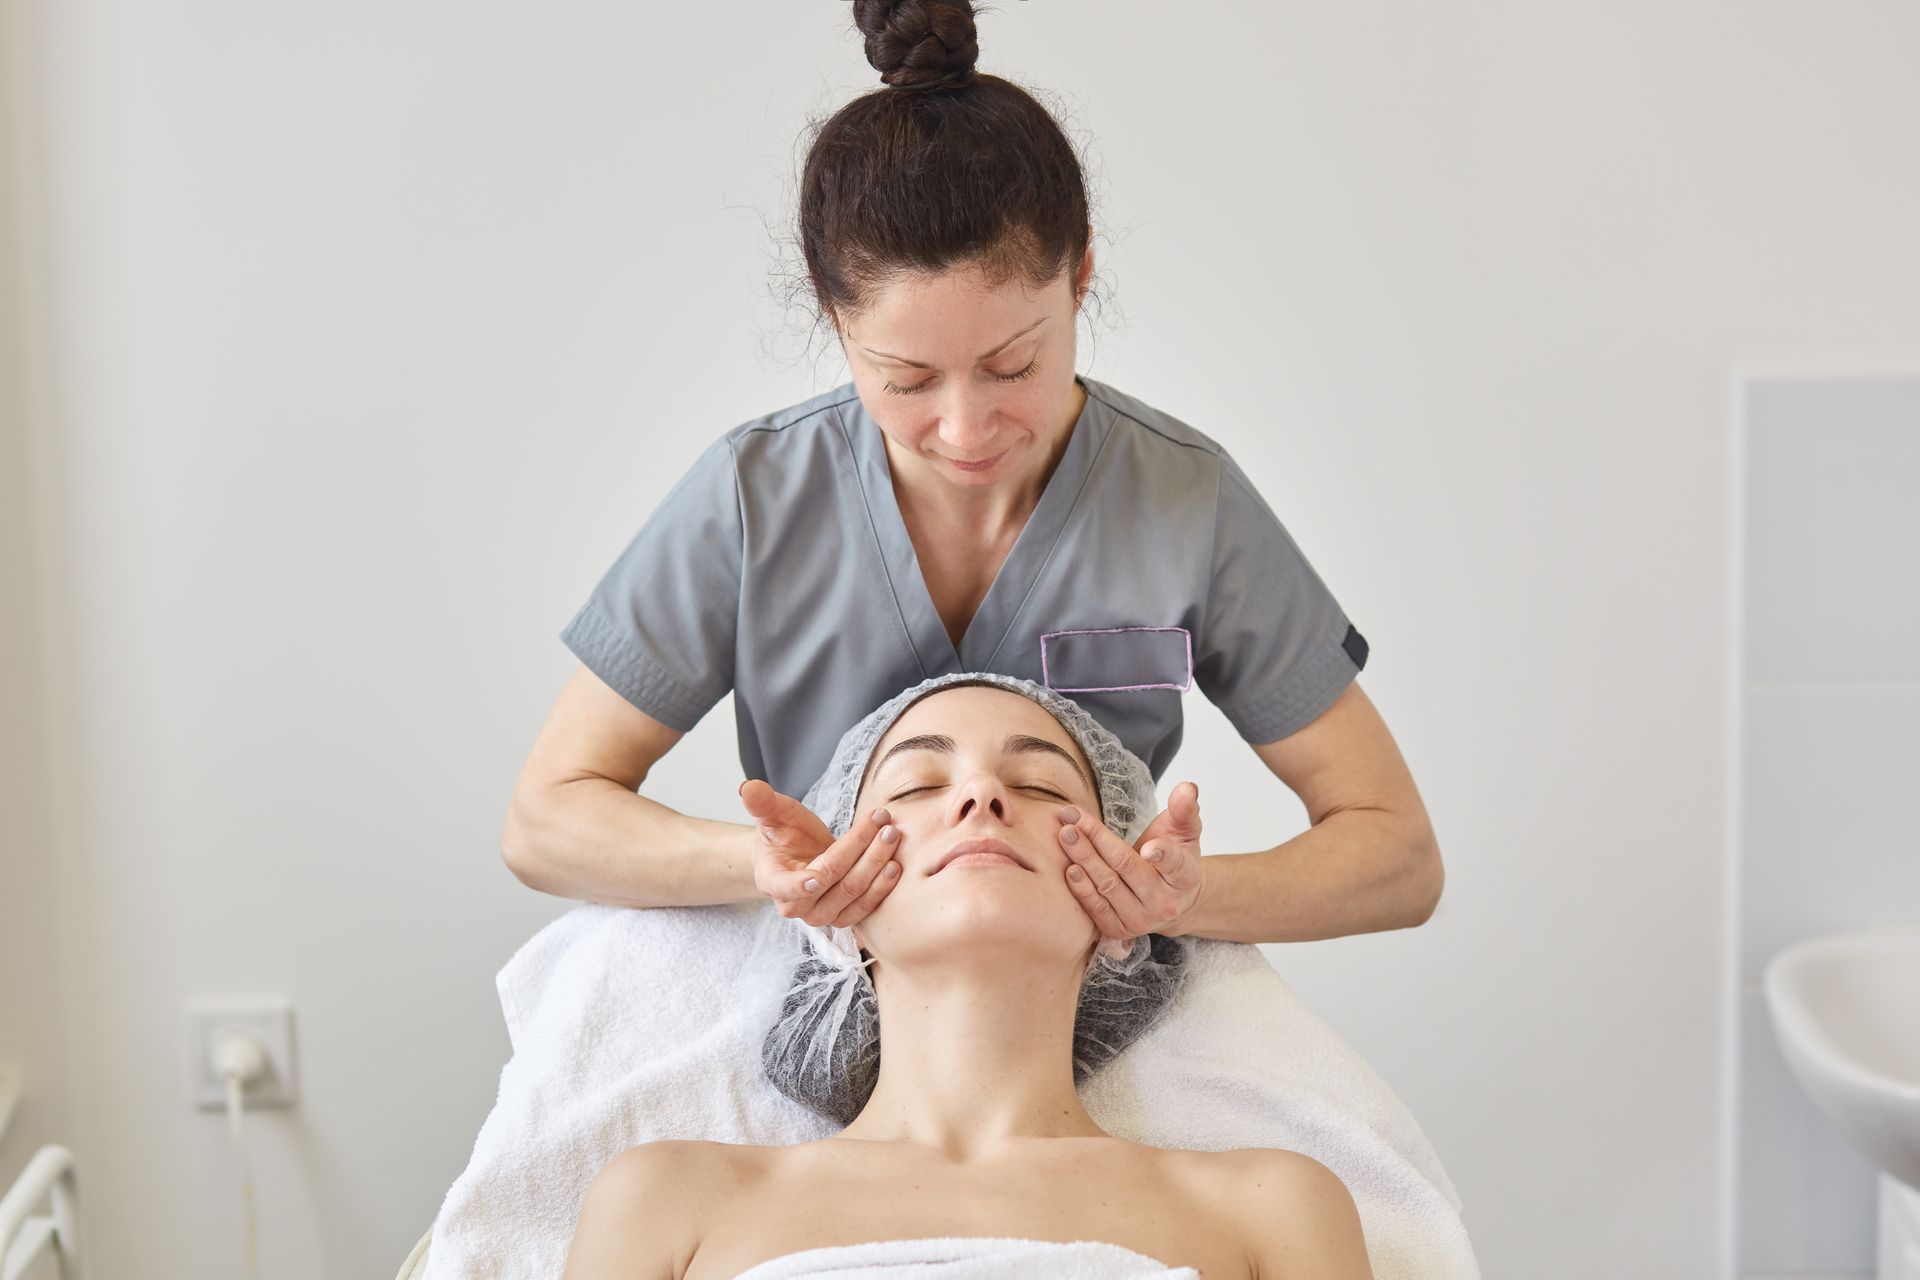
(985,914)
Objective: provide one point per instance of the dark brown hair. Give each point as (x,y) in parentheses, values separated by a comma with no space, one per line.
(945,167)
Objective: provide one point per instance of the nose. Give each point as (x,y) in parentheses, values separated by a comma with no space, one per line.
(981,796)
(966,422)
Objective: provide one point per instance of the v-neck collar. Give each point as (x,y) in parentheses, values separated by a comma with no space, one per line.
(987,630)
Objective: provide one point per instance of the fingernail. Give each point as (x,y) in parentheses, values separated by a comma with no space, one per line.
(891,870)
(813,886)
(1152,854)
(742,790)
(882,817)
(1069,814)
(1075,873)
(888,834)
(1069,835)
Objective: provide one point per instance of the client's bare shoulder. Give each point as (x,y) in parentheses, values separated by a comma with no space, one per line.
(644,1215)
(1294,1213)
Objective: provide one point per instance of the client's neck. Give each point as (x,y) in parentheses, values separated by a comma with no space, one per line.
(973,1057)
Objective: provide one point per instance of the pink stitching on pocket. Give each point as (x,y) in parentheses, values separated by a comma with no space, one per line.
(1047,680)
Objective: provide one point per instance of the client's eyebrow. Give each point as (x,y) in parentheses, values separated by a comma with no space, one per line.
(922,742)
(1021,742)
(1016,744)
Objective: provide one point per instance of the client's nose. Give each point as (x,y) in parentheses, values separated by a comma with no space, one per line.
(979,796)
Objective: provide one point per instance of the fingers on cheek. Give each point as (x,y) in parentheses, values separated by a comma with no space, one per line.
(881,862)
(1083,859)
(878,861)
(1114,855)
(861,871)
(882,884)
(1111,849)
(1091,902)
(1081,841)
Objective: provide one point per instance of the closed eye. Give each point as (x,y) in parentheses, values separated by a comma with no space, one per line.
(1003,377)
(932,786)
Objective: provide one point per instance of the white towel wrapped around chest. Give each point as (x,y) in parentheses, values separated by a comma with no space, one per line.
(967,1258)
(601,1063)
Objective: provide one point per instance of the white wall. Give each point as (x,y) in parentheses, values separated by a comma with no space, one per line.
(373,330)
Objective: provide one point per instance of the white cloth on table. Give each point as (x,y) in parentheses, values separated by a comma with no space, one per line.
(967,1258)
(626,1028)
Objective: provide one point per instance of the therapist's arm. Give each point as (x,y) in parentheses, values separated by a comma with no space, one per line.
(1369,862)
(577,828)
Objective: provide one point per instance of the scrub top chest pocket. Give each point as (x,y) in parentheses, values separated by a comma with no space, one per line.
(1117,659)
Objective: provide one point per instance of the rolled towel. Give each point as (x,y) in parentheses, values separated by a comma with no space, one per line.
(967,1258)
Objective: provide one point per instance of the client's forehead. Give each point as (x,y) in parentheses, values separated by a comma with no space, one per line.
(977,712)
(978,717)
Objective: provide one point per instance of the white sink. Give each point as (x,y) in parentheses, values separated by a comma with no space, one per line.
(1846,1011)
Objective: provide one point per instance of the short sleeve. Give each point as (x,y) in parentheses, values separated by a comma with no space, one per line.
(1275,647)
(659,628)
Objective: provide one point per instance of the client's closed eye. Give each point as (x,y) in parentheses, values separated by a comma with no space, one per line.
(935,786)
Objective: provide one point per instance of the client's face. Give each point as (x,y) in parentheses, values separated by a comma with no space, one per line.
(973,778)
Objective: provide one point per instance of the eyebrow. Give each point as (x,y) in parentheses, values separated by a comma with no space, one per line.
(990,355)
(1016,744)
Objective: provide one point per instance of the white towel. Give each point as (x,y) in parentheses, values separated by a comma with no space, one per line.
(1241,1061)
(967,1258)
(626,1028)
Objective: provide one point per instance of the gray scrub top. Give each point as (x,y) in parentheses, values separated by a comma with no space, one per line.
(779,568)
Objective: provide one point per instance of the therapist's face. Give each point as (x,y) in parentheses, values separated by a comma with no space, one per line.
(972,386)
(978,767)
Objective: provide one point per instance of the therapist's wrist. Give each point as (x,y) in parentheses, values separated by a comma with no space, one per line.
(736,845)
(1219,872)
(696,862)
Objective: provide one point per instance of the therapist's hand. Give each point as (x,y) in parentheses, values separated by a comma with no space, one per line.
(809,874)
(1150,886)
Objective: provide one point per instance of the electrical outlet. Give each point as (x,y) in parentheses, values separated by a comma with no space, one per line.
(268,1021)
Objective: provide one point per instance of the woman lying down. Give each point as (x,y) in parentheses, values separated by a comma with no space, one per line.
(950,1047)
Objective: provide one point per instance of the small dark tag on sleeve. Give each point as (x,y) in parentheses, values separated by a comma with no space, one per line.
(1356,646)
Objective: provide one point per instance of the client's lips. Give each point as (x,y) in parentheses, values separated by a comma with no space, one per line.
(983,845)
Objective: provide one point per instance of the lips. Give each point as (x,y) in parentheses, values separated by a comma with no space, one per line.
(984,464)
(983,845)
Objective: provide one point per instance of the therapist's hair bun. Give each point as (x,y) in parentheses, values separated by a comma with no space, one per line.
(919,44)
(950,167)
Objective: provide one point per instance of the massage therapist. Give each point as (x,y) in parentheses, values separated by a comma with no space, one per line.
(966,503)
